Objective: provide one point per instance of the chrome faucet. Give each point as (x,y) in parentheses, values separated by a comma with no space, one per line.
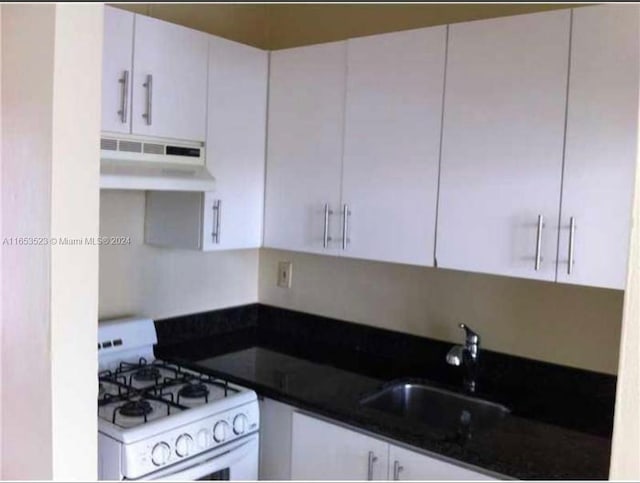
(467,357)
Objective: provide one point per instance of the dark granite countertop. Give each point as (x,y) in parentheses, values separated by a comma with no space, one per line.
(532,442)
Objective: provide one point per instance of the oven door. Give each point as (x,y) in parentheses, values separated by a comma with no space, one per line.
(235,461)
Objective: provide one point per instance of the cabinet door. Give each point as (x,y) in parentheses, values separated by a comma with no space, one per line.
(174,104)
(304,149)
(392,144)
(408,465)
(502,148)
(324,451)
(602,131)
(237,104)
(117,56)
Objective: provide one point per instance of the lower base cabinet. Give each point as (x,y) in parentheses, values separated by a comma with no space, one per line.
(325,451)
(406,465)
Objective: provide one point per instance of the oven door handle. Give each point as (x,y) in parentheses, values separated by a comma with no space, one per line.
(205,464)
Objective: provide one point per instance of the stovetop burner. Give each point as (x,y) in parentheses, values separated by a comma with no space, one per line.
(136,409)
(139,392)
(194,390)
(147,374)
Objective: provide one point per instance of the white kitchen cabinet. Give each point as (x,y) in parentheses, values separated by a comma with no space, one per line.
(601,146)
(169,82)
(324,451)
(117,60)
(276,420)
(321,450)
(304,148)
(236,130)
(230,217)
(502,148)
(392,144)
(407,465)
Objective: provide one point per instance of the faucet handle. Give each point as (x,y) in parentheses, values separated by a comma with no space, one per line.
(471,336)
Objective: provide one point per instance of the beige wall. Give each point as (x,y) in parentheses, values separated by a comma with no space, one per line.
(625,452)
(278,26)
(75,188)
(158,282)
(565,324)
(27,47)
(50,189)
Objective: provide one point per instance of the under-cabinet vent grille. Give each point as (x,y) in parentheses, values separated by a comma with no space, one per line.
(153,148)
(130,146)
(108,144)
(178,173)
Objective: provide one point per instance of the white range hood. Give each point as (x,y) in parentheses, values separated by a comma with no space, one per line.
(144,163)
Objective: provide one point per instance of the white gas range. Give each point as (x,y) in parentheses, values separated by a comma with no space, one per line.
(157,420)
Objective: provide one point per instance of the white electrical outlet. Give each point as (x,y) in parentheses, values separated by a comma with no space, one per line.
(284,274)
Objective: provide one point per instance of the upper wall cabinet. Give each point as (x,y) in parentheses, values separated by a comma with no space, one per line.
(304,150)
(169,80)
(154,77)
(392,143)
(502,151)
(354,138)
(236,129)
(231,216)
(117,60)
(601,146)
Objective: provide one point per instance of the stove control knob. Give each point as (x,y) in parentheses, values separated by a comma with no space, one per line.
(220,431)
(160,454)
(183,445)
(203,438)
(240,424)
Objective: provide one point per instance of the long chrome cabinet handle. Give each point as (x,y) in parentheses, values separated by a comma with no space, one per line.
(217,211)
(371,461)
(346,213)
(325,237)
(539,242)
(572,235)
(124,93)
(397,468)
(149,86)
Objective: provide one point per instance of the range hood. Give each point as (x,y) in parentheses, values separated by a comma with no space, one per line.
(144,163)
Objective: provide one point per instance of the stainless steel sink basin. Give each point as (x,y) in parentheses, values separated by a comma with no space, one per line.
(438,408)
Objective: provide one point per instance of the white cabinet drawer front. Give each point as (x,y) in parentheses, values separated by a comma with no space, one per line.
(502,149)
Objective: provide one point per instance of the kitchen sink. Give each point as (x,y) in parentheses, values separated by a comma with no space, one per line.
(438,408)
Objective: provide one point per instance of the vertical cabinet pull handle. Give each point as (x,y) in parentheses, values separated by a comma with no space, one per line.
(572,233)
(149,86)
(539,242)
(217,212)
(124,96)
(372,459)
(397,468)
(346,213)
(325,237)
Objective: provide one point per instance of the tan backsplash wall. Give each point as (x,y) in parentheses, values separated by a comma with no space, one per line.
(564,324)
(279,26)
(158,282)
